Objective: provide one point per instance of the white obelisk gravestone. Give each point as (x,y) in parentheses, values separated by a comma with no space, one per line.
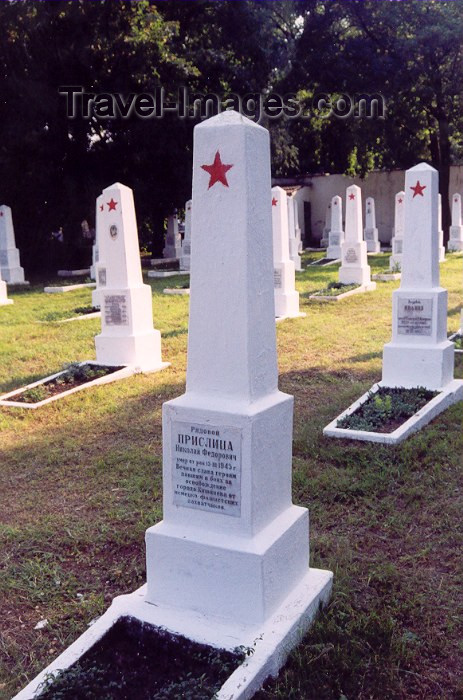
(354,267)
(441,232)
(231,544)
(456,229)
(419,353)
(99,266)
(127,335)
(286,297)
(395,261)
(371,232)
(293,239)
(11,270)
(173,245)
(326,229)
(186,244)
(336,234)
(300,247)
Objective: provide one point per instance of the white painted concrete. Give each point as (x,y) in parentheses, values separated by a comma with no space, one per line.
(294,241)
(386,276)
(419,353)
(179,292)
(74,273)
(127,335)
(173,244)
(185,258)
(161,274)
(354,266)
(371,232)
(57,289)
(456,229)
(11,271)
(271,642)
(395,261)
(441,232)
(286,296)
(8,398)
(4,301)
(336,233)
(99,264)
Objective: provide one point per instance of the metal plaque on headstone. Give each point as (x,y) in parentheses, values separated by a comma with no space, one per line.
(115,308)
(351,255)
(277,280)
(206,467)
(414,316)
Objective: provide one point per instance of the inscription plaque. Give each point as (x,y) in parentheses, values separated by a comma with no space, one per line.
(3,257)
(334,238)
(414,317)
(369,235)
(455,234)
(206,467)
(102,277)
(277,282)
(115,310)
(351,255)
(397,246)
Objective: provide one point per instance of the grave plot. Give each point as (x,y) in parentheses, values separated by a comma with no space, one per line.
(419,358)
(228,566)
(172,253)
(128,343)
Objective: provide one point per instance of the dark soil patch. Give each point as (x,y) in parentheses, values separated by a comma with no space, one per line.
(75,375)
(387,409)
(83,310)
(335,289)
(136,660)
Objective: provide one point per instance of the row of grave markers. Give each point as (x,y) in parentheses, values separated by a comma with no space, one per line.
(229,563)
(333,234)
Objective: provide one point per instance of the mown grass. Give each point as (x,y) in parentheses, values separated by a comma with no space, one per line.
(80,480)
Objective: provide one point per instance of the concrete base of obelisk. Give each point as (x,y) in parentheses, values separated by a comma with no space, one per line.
(127,337)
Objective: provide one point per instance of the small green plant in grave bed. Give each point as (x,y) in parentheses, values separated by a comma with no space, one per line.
(135,660)
(76,372)
(83,310)
(34,395)
(386,409)
(334,289)
(458,340)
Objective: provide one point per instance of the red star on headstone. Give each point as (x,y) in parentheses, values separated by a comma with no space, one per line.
(455,200)
(418,189)
(218,171)
(335,204)
(400,200)
(111,205)
(352,195)
(101,207)
(1,213)
(274,202)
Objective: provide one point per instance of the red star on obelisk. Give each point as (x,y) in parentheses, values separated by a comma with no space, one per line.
(400,200)
(111,205)
(217,170)
(418,189)
(274,202)
(101,207)
(352,195)
(1,213)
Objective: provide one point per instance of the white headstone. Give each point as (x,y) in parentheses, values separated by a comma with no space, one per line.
(336,234)
(127,335)
(354,263)
(297,226)
(456,229)
(371,232)
(419,353)
(173,244)
(186,243)
(3,293)
(441,232)
(326,229)
(395,261)
(99,266)
(10,267)
(231,544)
(294,242)
(286,297)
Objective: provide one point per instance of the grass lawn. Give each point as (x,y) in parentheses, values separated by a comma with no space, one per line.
(80,481)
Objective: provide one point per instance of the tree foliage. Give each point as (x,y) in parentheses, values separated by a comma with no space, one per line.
(52,167)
